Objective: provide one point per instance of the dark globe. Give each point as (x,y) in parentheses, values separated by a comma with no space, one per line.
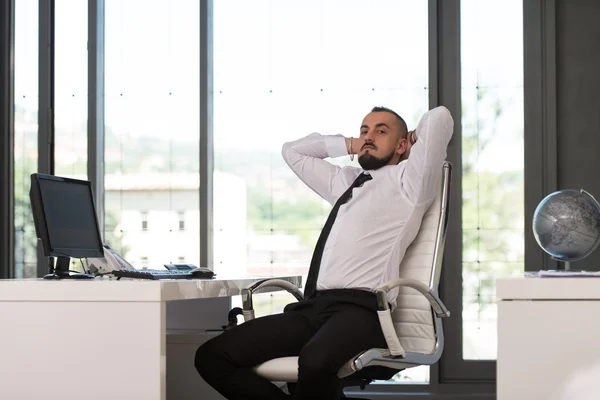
(566,224)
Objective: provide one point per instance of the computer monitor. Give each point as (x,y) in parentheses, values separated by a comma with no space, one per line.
(65,221)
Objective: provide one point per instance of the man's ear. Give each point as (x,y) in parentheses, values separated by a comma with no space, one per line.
(402,147)
(406,153)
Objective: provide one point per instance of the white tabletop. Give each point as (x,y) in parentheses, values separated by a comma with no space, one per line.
(533,288)
(104,289)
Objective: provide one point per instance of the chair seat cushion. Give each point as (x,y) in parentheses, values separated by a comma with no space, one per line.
(283,369)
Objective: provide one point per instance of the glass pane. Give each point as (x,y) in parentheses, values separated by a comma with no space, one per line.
(479,306)
(70,93)
(491,48)
(493,159)
(277,81)
(479,328)
(152,131)
(26,132)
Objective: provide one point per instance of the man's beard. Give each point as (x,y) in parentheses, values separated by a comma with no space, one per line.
(370,162)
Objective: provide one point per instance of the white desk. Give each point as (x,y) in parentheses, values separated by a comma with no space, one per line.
(101,339)
(547,328)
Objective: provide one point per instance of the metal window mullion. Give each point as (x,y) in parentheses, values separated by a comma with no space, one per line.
(46,103)
(46,88)
(95,161)
(540,124)
(434,100)
(7,63)
(206,133)
(449,95)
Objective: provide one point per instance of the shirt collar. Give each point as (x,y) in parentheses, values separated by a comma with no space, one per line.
(377,172)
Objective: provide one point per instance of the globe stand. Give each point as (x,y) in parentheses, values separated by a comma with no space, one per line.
(566,264)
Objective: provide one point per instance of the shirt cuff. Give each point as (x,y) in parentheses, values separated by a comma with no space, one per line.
(336,146)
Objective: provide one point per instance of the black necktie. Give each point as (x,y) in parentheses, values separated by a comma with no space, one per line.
(315,263)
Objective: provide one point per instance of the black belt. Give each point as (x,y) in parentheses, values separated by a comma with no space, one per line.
(346,292)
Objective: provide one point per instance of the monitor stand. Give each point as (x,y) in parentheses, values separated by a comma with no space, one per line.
(61,270)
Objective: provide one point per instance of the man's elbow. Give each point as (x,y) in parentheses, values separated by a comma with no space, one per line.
(285,150)
(442,112)
(443,115)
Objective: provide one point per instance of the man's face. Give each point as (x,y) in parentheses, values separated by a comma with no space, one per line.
(382,136)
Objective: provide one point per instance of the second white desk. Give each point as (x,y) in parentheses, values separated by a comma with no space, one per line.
(547,329)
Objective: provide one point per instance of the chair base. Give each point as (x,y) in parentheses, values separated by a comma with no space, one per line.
(368,374)
(340,395)
(361,379)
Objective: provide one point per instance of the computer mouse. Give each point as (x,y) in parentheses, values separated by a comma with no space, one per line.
(202,273)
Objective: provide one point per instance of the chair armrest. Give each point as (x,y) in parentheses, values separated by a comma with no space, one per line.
(440,309)
(385,315)
(248,307)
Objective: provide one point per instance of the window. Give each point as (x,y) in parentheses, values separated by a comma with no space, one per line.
(181,220)
(276,80)
(26,133)
(493,163)
(152,127)
(144,215)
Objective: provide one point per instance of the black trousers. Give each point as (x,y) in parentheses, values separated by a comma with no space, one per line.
(324,331)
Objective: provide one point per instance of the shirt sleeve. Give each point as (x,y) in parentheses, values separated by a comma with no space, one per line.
(306,158)
(427,155)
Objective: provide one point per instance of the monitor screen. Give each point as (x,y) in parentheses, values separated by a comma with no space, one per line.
(65,216)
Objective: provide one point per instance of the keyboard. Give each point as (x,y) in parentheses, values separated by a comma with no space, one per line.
(152,274)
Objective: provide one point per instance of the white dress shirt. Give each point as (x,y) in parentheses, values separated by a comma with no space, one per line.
(373,230)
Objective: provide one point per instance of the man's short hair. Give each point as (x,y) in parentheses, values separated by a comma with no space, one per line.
(403,126)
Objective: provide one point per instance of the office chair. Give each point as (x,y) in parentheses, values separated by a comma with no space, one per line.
(413,331)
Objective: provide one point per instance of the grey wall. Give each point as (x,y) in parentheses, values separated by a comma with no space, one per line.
(562,103)
(578,101)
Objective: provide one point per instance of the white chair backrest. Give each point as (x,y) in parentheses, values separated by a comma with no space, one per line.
(413,318)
